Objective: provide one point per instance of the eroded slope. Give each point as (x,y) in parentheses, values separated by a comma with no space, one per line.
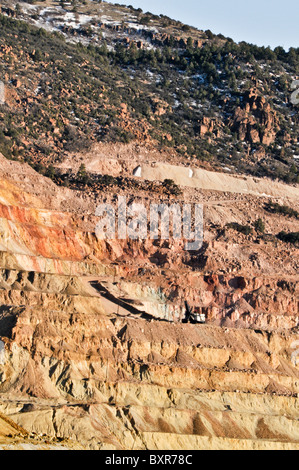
(95,351)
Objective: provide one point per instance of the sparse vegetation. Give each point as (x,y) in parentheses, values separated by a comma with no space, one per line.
(259,225)
(275,208)
(171,187)
(245,229)
(292,237)
(81,88)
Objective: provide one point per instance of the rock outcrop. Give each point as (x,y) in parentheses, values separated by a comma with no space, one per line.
(255,122)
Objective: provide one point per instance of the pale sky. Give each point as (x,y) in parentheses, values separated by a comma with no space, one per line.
(262,22)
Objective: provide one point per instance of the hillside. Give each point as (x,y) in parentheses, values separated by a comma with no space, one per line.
(99,72)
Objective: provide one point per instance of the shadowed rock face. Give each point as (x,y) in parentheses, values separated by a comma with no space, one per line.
(94,350)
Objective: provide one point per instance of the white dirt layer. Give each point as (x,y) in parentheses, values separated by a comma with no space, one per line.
(209,180)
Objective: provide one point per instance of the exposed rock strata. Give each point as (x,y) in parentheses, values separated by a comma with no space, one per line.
(95,353)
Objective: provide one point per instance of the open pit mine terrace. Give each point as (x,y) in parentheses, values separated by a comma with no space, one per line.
(94,355)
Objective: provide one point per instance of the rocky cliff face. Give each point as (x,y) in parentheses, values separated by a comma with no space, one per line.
(256,122)
(110,382)
(95,351)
